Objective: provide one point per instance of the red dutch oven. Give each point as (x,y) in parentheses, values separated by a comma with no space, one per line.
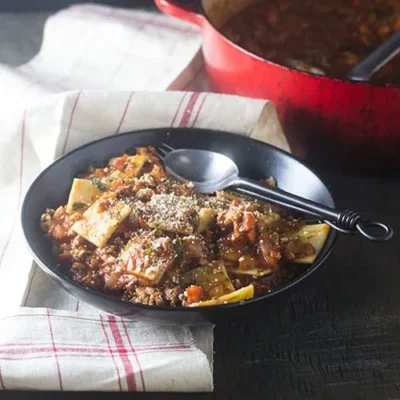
(329,121)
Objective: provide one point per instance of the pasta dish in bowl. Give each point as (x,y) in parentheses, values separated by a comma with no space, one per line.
(107,224)
(131,231)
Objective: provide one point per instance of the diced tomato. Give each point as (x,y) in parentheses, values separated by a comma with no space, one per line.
(252,235)
(235,203)
(57,232)
(100,173)
(274,254)
(194,293)
(117,183)
(119,163)
(59,214)
(248,222)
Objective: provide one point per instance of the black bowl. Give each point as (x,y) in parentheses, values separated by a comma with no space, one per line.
(255,160)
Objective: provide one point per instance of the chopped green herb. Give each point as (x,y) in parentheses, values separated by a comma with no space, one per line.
(179,247)
(96,182)
(148,251)
(78,206)
(85,255)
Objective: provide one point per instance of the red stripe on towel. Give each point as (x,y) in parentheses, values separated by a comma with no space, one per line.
(199,110)
(112,355)
(55,350)
(21,349)
(189,108)
(130,376)
(124,113)
(136,357)
(178,109)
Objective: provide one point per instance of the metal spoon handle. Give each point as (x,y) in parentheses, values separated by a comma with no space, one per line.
(375,60)
(345,221)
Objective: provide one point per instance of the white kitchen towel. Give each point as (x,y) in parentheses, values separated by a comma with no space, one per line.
(96,75)
(58,350)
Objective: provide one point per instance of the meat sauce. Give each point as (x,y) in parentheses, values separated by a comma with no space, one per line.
(324,37)
(131,231)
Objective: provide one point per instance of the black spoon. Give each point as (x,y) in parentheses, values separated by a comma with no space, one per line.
(211,172)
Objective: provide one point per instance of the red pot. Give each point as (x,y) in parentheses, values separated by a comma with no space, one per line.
(326,120)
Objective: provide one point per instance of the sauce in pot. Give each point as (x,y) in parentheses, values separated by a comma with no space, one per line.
(323,37)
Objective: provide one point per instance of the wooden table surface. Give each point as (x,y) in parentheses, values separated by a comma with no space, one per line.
(335,336)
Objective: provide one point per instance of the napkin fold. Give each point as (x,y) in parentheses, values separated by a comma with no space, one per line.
(101,71)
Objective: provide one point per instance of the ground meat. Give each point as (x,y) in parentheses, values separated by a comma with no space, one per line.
(125,190)
(128,280)
(172,296)
(87,277)
(183,190)
(144,194)
(57,224)
(147,295)
(227,219)
(111,251)
(194,250)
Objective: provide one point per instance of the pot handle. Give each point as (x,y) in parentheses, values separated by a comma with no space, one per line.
(183,9)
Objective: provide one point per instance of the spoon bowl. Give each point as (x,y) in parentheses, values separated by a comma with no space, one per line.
(207,170)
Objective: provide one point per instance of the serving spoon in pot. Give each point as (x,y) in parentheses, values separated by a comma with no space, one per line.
(376,60)
(210,172)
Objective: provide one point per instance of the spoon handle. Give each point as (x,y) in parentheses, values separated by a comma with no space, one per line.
(345,221)
(376,60)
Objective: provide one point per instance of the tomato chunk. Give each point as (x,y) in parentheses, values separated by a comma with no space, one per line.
(194,293)
(119,163)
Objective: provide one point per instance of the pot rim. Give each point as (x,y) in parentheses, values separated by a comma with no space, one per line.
(290,69)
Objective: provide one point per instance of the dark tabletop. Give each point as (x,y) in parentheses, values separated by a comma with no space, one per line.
(334,336)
